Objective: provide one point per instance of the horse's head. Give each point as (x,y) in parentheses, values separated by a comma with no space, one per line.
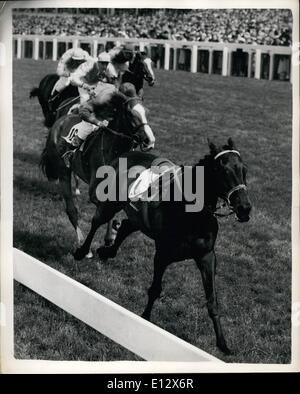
(146,67)
(230,173)
(133,116)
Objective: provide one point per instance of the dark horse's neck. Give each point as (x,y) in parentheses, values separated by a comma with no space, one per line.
(210,192)
(135,74)
(109,145)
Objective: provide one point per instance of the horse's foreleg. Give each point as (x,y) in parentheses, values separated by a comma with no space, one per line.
(108,239)
(207,265)
(125,229)
(102,215)
(111,232)
(160,265)
(140,93)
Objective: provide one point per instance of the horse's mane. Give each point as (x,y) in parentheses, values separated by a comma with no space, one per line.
(140,56)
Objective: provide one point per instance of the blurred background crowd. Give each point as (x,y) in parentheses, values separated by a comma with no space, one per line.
(248,26)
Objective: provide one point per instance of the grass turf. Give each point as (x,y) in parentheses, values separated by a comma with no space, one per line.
(254,259)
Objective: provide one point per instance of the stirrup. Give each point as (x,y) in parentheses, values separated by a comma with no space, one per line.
(67,156)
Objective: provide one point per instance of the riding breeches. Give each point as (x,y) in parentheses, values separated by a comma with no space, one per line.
(61,84)
(84,129)
(84,95)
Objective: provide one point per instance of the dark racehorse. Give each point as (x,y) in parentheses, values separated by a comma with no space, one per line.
(139,70)
(178,234)
(129,126)
(43,93)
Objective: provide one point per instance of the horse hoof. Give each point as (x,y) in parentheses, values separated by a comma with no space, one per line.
(89,255)
(108,243)
(105,252)
(145,316)
(79,254)
(224,349)
(228,352)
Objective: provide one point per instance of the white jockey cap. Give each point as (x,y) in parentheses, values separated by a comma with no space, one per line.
(104,57)
(78,54)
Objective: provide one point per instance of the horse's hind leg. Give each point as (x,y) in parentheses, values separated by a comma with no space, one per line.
(207,265)
(160,265)
(126,228)
(71,210)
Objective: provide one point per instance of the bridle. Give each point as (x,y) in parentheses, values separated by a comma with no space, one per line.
(228,194)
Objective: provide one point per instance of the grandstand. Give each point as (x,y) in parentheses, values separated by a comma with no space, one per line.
(239,42)
(247,26)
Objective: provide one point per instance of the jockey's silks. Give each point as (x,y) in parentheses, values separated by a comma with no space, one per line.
(87,73)
(98,106)
(66,65)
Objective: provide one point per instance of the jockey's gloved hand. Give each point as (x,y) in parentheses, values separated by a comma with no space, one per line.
(92,92)
(85,86)
(103,123)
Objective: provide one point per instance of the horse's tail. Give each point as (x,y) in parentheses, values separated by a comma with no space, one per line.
(34,92)
(50,162)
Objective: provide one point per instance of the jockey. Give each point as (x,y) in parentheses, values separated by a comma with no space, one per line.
(119,63)
(144,54)
(95,113)
(67,65)
(88,75)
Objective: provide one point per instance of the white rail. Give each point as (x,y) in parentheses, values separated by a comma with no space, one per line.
(169,51)
(110,319)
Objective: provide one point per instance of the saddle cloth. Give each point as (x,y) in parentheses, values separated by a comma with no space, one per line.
(150,187)
(152,181)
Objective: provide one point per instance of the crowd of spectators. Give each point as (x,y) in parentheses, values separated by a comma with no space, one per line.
(249,26)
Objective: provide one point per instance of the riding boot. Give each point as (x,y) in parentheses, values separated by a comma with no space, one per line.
(67,149)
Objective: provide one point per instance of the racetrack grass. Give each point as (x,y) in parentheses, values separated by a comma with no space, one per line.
(254,258)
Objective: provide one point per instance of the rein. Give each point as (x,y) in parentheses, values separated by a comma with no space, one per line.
(68,103)
(123,135)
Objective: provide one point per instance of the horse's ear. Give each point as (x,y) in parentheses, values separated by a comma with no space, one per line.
(212,147)
(231,143)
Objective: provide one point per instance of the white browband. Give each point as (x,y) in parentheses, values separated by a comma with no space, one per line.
(226,151)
